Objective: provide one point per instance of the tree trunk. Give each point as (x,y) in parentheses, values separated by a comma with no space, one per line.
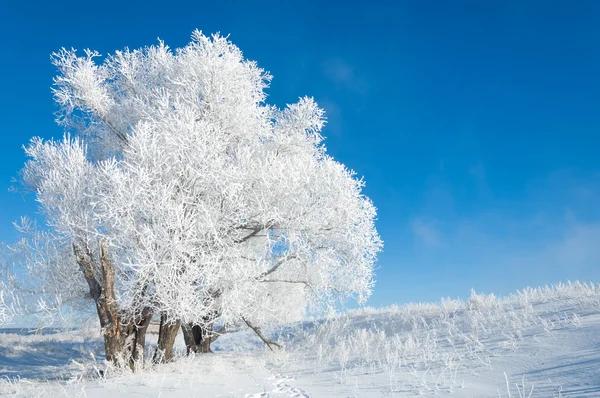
(198,338)
(207,337)
(107,299)
(104,297)
(188,337)
(136,338)
(166,339)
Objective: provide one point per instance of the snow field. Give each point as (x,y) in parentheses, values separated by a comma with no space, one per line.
(542,342)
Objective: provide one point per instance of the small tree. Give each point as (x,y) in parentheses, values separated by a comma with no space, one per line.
(183,194)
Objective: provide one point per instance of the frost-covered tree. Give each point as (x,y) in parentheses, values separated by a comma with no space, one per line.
(183,194)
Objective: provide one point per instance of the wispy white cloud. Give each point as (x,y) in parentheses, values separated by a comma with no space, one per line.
(427,233)
(343,75)
(576,250)
(550,233)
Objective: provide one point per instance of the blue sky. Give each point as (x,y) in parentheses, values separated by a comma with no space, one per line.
(475,124)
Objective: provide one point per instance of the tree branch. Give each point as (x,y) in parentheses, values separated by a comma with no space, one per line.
(285,281)
(84,260)
(119,134)
(261,335)
(276,266)
(255,230)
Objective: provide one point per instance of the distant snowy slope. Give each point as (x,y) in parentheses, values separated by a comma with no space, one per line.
(541,342)
(549,335)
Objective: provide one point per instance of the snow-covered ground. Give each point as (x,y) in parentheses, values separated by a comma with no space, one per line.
(539,342)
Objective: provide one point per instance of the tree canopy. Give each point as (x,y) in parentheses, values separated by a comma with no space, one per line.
(212,205)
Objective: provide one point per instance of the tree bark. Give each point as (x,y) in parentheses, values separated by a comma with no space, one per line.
(198,338)
(103,294)
(189,338)
(112,329)
(136,338)
(206,337)
(166,339)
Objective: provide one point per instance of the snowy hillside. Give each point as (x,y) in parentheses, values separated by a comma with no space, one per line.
(541,342)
